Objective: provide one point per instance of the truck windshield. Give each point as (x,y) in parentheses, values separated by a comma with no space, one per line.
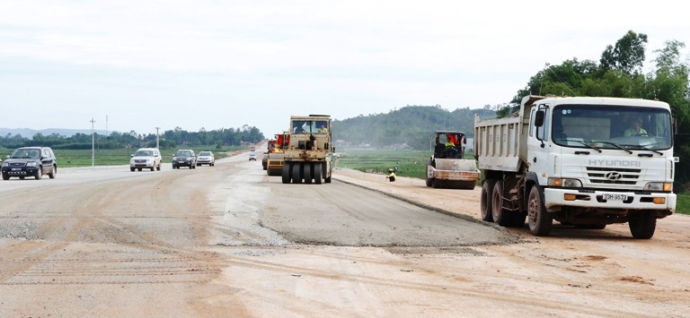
(611,127)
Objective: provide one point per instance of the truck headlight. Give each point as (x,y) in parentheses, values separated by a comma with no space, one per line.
(564,183)
(31,164)
(5,164)
(659,186)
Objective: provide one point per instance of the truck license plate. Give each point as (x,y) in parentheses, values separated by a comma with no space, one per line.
(615,197)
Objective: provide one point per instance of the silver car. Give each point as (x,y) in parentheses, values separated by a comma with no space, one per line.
(146,158)
(205,158)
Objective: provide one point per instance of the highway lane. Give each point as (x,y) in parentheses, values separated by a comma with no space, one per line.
(109,242)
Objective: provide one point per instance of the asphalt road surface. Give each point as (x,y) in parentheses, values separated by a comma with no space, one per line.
(214,241)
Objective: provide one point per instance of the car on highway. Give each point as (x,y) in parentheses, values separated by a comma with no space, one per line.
(184,158)
(146,158)
(30,162)
(205,158)
(252,157)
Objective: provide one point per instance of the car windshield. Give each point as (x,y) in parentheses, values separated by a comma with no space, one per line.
(205,153)
(143,153)
(23,153)
(611,127)
(184,153)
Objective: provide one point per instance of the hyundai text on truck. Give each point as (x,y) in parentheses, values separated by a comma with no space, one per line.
(579,161)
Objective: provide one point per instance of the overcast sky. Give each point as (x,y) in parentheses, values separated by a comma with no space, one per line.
(220,64)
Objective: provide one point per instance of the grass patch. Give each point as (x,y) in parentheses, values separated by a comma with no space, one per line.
(110,157)
(683,203)
(410,163)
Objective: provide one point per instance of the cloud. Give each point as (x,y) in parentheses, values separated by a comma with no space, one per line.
(257,62)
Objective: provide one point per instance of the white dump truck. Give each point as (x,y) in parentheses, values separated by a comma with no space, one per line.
(582,161)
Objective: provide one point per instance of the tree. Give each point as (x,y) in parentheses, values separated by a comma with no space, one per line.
(628,54)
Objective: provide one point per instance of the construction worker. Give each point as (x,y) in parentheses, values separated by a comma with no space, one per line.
(391,175)
(450,140)
(321,127)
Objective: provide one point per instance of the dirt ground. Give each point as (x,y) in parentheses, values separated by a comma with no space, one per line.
(229,241)
(573,271)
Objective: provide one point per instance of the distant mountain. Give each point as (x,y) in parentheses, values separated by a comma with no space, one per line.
(29,133)
(410,126)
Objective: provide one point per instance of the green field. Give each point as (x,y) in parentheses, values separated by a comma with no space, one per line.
(683,204)
(410,163)
(110,157)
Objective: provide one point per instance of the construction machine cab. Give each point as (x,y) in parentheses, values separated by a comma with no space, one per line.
(449,144)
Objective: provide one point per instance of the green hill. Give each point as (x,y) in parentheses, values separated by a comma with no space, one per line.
(411,125)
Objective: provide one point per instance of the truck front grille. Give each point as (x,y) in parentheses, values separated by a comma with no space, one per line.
(613,175)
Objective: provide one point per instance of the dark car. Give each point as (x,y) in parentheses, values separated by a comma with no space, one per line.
(31,162)
(184,157)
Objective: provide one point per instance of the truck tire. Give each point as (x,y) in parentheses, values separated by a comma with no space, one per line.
(500,215)
(53,172)
(308,169)
(318,170)
(39,173)
(485,200)
(286,172)
(642,224)
(538,219)
(297,172)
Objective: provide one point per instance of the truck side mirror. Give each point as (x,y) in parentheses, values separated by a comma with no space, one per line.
(539,118)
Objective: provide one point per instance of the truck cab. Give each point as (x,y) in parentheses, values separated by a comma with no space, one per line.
(590,161)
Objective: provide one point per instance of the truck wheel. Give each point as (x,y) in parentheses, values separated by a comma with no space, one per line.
(286,172)
(538,219)
(39,173)
(297,173)
(265,165)
(5,176)
(485,200)
(131,169)
(308,172)
(500,215)
(642,224)
(318,169)
(53,172)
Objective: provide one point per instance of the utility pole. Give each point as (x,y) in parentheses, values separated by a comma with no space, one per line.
(106,125)
(93,143)
(157,138)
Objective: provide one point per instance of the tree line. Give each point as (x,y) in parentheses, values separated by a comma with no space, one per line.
(177,137)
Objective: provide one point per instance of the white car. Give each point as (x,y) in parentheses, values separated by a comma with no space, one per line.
(146,158)
(205,158)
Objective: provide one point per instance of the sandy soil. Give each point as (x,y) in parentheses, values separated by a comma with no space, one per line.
(229,241)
